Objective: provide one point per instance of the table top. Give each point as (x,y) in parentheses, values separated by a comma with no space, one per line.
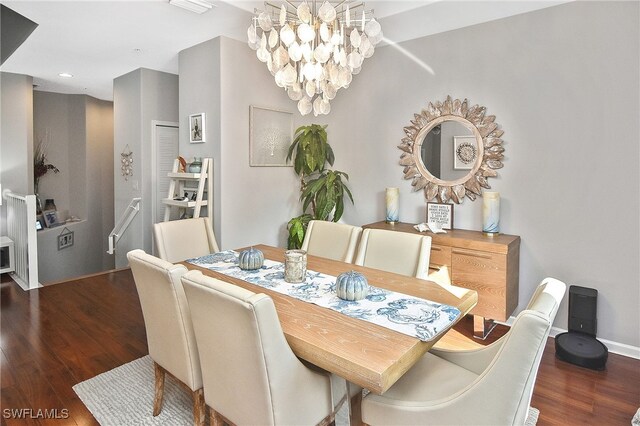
(366,354)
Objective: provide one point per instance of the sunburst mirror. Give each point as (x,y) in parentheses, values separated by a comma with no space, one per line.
(450,150)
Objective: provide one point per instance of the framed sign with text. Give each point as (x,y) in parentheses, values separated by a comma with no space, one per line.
(441,214)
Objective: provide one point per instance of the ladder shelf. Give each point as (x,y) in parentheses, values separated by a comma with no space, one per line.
(203,191)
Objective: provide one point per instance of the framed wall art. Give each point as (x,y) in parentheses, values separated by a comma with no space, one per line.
(465,152)
(197,128)
(65,239)
(441,214)
(270,136)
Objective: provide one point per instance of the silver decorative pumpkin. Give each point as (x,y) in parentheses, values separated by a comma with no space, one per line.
(352,286)
(251,259)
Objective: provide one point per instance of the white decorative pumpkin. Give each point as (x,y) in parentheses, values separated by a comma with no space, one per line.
(352,286)
(251,259)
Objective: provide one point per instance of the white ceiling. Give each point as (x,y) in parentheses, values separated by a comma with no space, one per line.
(97,41)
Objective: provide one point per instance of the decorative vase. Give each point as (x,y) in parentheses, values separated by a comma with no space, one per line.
(392,198)
(196,166)
(491,213)
(49,204)
(251,259)
(352,286)
(295,266)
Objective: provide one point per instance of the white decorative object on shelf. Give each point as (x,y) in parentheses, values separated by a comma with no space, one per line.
(491,212)
(314,49)
(392,199)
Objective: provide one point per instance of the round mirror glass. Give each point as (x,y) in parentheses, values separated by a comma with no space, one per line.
(449,150)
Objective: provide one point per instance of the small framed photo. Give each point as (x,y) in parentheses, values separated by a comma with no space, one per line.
(465,152)
(65,239)
(51,218)
(441,214)
(197,128)
(39,222)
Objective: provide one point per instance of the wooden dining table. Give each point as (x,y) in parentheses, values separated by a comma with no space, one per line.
(369,355)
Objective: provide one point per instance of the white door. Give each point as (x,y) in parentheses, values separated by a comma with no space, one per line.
(165,144)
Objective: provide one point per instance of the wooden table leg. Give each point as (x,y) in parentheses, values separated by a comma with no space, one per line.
(355,410)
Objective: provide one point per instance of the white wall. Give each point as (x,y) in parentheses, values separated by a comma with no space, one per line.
(563,83)
(16,137)
(140,97)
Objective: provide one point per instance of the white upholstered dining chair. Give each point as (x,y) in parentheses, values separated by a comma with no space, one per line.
(336,241)
(488,386)
(170,337)
(183,239)
(250,374)
(399,252)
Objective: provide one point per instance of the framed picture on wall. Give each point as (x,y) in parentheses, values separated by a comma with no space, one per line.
(270,136)
(197,128)
(65,239)
(465,152)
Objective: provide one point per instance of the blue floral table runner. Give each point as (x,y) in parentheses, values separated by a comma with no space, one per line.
(409,315)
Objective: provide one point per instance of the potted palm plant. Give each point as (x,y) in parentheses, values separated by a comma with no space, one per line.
(322,190)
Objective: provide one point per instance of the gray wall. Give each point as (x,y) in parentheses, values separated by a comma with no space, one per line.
(80,130)
(552,78)
(16,137)
(199,69)
(252,204)
(61,119)
(139,97)
(563,83)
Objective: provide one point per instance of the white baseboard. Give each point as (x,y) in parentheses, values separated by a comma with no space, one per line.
(614,347)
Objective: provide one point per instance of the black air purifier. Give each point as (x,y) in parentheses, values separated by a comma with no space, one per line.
(579,345)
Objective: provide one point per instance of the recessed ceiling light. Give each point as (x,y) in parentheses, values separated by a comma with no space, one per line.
(65,75)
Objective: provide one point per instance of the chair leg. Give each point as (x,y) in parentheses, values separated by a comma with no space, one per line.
(159,388)
(215,419)
(199,408)
(355,410)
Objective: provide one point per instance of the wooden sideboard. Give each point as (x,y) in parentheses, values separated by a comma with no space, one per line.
(488,265)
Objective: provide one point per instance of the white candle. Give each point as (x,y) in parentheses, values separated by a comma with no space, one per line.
(491,212)
(393,205)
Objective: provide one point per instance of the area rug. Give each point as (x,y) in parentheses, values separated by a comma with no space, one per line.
(124,396)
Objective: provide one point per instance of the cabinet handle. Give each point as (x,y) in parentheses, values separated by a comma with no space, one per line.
(436,248)
(472,254)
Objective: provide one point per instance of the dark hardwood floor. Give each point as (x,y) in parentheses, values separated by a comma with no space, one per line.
(60,335)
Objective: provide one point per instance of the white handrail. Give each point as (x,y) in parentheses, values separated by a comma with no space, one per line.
(21,229)
(130,212)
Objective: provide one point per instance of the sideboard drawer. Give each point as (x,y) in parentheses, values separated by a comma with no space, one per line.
(484,273)
(440,256)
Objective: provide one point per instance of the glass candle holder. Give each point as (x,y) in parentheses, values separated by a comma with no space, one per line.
(295,266)
(491,213)
(392,198)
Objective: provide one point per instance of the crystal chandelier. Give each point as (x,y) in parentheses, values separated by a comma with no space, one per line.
(312,52)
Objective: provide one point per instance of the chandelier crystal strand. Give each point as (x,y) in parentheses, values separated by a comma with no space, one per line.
(312,51)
